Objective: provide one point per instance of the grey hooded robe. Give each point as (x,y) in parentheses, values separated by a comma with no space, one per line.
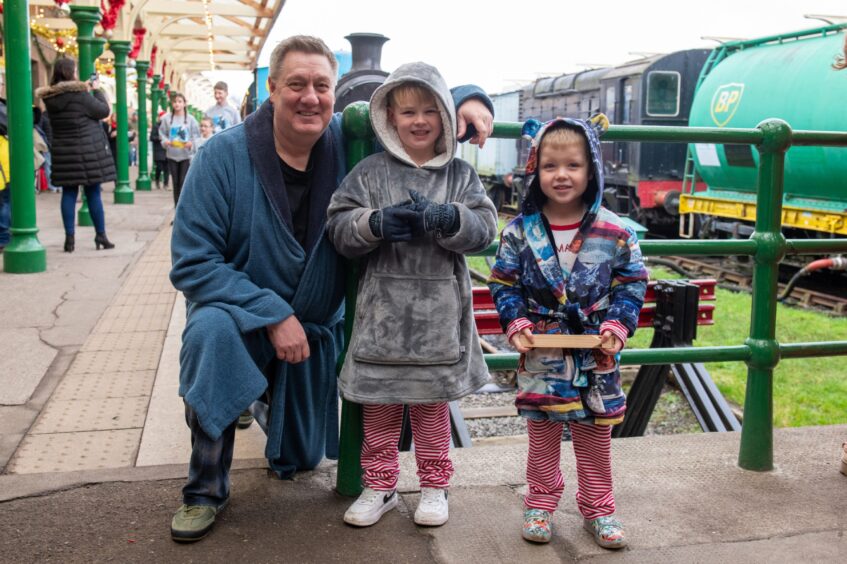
(414,338)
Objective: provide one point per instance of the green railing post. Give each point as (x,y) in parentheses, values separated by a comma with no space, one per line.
(24,254)
(756,451)
(90,47)
(359,137)
(123,190)
(143,180)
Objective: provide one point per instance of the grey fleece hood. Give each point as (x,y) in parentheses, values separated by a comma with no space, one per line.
(428,77)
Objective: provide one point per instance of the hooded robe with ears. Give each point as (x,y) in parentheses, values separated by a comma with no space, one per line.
(601,279)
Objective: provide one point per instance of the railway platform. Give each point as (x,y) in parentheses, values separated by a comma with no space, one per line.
(93,450)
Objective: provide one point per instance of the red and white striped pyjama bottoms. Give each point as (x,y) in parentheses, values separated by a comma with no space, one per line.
(431,433)
(592,445)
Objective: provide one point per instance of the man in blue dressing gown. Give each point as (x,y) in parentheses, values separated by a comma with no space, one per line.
(263,285)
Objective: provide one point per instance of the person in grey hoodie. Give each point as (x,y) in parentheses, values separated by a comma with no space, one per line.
(411,213)
(179,133)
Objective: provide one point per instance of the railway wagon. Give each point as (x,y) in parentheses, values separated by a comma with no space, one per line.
(786,76)
(495,163)
(643,181)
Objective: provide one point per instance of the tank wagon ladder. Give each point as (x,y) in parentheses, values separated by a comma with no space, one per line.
(689,175)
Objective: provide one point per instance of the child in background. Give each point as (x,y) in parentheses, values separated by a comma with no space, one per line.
(411,212)
(566,265)
(207,128)
(160,158)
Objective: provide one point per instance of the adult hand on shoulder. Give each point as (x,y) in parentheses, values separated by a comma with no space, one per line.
(610,344)
(289,340)
(475,113)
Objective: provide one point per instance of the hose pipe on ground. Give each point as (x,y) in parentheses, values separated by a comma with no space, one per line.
(832,263)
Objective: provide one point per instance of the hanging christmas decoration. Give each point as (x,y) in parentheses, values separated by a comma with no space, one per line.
(104,67)
(150,71)
(64,6)
(62,40)
(110,15)
(137,39)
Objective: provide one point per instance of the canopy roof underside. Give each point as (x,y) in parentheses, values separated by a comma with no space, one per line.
(192,35)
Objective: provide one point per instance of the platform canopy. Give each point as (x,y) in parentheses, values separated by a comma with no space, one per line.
(191,35)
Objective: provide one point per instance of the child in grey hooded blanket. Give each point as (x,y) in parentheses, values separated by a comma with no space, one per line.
(411,213)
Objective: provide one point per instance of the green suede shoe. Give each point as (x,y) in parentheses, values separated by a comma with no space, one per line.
(245,419)
(192,522)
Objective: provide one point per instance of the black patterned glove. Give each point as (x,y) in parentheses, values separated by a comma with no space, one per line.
(443,219)
(392,224)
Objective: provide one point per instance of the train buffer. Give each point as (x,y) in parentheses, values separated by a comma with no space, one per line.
(674,308)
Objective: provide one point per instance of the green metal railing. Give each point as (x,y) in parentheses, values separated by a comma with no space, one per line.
(760,351)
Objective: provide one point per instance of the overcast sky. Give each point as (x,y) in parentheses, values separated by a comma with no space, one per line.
(501,45)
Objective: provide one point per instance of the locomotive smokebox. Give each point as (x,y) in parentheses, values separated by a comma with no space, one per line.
(366,74)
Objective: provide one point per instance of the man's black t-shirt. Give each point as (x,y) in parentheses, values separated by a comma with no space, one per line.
(297,190)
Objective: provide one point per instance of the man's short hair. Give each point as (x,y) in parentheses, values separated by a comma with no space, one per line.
(221,85)
(299,44)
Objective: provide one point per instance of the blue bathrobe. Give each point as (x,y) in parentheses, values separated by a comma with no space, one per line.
(234,253)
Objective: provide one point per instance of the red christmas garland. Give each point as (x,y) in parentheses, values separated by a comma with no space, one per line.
(110,15)
(137,39)
(152,66)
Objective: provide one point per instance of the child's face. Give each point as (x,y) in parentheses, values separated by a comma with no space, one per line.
(564,172)
(205,128)
(418,124)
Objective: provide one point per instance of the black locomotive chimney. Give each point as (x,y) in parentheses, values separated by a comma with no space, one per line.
(365,74)
(367,50)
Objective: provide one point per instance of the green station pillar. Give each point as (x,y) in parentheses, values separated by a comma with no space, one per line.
(143,180)
(166,98)
(123,190)
(90,47)
(24,254)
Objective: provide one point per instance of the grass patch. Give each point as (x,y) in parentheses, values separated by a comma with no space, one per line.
(806,391)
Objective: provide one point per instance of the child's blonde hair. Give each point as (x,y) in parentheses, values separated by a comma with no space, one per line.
(559,137)
(411,92)
(207,120)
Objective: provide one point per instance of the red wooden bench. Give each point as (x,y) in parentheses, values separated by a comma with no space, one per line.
(488,322)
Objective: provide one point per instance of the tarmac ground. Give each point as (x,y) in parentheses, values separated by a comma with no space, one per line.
(93,450)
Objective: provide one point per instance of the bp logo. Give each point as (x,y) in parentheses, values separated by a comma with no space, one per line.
(725,102)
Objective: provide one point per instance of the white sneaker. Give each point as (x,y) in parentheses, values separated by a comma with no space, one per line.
(432,509)
(370,506)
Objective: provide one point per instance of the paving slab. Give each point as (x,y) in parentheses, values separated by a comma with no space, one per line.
(166,438)
(64,452)
(21,372)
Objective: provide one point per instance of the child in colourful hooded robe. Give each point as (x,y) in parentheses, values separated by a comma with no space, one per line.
(566,265)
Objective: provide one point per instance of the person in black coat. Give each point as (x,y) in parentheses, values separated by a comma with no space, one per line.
(160,156)
(81,155)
